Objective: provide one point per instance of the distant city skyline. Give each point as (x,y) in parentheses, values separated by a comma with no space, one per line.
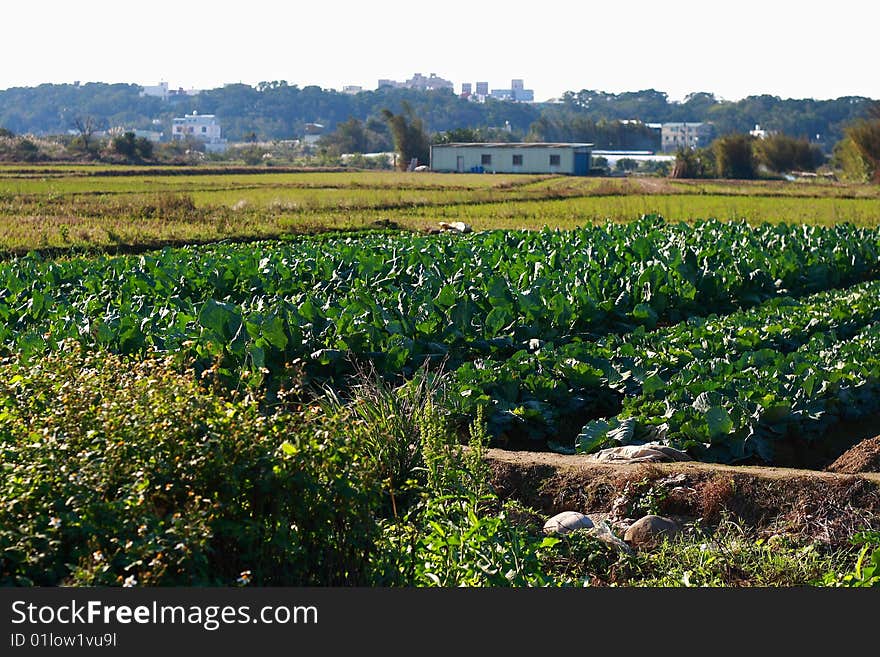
(784,49)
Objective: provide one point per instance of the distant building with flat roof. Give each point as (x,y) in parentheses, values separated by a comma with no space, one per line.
(674,136)
(501,157)
(418,81)
(158,91)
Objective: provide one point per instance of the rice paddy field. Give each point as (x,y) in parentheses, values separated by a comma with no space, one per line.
(60,207)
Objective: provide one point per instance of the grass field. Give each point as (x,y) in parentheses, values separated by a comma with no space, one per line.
(105,208)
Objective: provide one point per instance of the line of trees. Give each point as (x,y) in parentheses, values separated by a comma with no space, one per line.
(407,120)
(277,110)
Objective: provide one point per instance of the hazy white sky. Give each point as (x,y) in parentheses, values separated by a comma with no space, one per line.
(791,49)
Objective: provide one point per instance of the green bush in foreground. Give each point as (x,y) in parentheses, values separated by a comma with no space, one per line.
(120,472)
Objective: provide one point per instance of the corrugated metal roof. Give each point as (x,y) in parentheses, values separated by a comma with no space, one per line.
(503,144)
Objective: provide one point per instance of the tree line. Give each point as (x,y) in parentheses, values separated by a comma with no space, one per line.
(407,121)
(277,110)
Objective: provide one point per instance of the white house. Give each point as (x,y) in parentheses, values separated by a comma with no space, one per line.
(201,127)
(761,133)
(572,159)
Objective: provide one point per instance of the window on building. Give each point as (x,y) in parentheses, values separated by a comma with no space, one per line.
(554,160)
(517,160)
(204,129)
(485,159)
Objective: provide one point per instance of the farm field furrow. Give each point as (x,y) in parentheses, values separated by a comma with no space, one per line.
(94,208)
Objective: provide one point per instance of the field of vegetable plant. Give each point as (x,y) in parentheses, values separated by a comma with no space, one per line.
(545,329)
(291,409)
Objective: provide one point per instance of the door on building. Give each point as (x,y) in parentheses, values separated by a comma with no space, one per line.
(581,164)
(459,163)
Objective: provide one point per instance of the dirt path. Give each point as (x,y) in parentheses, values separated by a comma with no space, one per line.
(825,506)
(559,462)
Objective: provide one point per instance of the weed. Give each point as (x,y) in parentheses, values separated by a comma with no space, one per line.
(866,571)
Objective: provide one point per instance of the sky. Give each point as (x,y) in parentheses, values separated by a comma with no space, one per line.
(790,49)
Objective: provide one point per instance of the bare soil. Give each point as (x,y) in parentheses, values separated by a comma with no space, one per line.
(863,457)
(828,506)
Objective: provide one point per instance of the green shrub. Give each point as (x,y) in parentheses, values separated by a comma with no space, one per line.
(727,555)
(116,471)
(386,422)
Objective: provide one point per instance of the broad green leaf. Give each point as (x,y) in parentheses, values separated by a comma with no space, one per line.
(593,436)
(718,422)
(219,318)
(652,384)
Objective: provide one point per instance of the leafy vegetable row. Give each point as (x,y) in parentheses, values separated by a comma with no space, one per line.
(735,408)
(540,393)
(398,299)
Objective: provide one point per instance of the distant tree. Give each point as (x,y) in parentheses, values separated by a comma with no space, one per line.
(276,110)
(124,145)
(781,153)
(410,140)
(657,168)
(252,155)
(460,135)
(26,151)
(475,136)
(685,164)
(379,139)
(734,156)
(849,162)
(626,164)
(251,137)
(6,133)
(144,148)
(349,137)
(689,163)
(864,137)
(180,151)
(271,86)
(85,127)
(132,148)
(698,104)
(566,126)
